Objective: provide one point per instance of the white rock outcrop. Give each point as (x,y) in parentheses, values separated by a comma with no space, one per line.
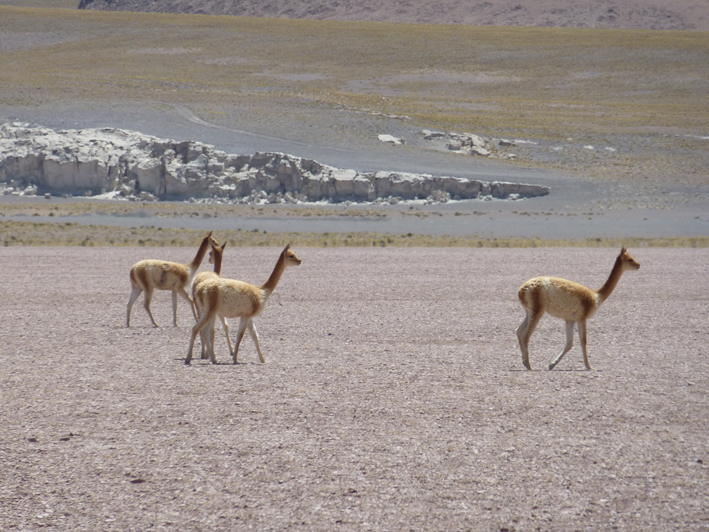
(119,163)
(470,144)
(391,139)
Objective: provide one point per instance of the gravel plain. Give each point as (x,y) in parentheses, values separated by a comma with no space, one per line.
(394,397)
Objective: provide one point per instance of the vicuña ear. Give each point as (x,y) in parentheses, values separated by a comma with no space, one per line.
(223,245)
(287,247)
(623,250)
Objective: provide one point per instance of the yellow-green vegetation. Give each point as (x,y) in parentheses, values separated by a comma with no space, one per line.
(179,209)
(71,234)
(545,82)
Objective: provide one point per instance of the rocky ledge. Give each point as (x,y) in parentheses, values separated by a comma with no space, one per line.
(115,163)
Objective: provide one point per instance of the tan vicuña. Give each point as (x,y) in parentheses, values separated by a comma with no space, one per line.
(148,275)
(569,301)
(236,299)
(215,257)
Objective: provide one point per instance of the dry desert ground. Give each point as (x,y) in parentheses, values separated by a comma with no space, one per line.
(394,397)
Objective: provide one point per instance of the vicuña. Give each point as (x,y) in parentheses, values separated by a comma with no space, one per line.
(569,301)
(215,257)
(236,299)
(148,275)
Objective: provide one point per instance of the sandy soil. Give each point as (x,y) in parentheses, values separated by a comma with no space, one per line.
(394,397)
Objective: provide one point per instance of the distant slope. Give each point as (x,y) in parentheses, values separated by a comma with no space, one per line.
(621,14)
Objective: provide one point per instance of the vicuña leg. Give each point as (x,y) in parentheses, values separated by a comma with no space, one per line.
(188,298)
(225,325)
(204,334)
(146,305)
(521,332)
(239,336)
(582,340)
(208,342)
(244,325)
(174,307)
(203,322)
(226,332)
(524,333)
(133,297)
(181,292)
(255,338)
(195,332)
(206,339)
(569,343)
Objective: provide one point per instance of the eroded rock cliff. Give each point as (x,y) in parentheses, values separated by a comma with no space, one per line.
(125,164)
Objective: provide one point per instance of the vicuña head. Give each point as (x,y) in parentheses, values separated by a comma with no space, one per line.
(569,301)
(215,255)
(229,298)
(148,275)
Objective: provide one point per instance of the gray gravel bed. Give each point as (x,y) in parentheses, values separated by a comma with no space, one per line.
(394,397)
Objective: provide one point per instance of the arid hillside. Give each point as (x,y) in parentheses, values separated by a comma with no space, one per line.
(619,14)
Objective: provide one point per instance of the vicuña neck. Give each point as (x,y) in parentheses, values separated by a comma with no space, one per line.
(270,285)
(218,263)
(607,289)
(201,252)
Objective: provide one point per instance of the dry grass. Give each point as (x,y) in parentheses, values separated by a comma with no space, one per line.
(541,81)
(72,234)
(179,209)
(21,233)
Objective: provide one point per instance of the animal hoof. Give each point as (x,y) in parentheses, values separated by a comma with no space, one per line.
(187,362)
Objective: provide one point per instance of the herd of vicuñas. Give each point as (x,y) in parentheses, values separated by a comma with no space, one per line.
(213,296)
